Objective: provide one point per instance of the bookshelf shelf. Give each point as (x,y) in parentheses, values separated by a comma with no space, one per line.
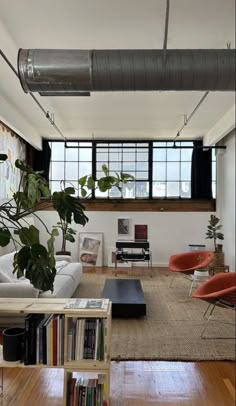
(82,367)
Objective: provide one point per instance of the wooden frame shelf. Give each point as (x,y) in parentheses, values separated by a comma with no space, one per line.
(82,366)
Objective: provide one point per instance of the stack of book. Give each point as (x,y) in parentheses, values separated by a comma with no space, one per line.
(44,339)
(86,339)
(85,392)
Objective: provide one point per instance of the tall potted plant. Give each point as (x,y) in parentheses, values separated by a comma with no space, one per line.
(70,209)
(214,232)
(34,260)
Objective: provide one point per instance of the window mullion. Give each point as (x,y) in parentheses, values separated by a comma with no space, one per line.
(94,164)
(150,168)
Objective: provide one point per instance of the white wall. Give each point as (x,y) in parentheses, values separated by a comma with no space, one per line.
(10,86)
(168,233)
(226,196)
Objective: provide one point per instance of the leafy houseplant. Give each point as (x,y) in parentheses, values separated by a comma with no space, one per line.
(213,231)
(33,260)
(70,209)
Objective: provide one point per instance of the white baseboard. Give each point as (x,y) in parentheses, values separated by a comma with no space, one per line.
(141,264)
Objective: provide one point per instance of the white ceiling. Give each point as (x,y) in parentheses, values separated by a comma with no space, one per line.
(112,24)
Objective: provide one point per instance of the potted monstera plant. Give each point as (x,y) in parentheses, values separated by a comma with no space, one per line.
(35,260)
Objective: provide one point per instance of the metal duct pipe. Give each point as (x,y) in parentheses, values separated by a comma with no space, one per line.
(57,70)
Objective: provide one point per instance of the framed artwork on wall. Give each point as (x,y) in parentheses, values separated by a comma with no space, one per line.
(123,226)
(91,249)
(140,232)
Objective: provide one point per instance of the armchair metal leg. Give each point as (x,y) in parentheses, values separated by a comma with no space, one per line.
(191,287)
(208,320)
(204,315)
(217,321)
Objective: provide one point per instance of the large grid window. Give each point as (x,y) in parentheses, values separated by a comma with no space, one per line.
(130,158)
(69,164)
(171,170)
(159,171)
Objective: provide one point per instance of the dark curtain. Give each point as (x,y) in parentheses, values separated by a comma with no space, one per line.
(40,160)
(201,172)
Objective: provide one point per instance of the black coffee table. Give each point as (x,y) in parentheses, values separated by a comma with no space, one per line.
(126,296)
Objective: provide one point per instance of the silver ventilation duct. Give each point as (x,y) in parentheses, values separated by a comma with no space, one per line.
(52,71)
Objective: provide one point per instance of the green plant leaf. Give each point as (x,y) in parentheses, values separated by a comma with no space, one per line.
(21,259)
(83,192)
(38,250)
(106,183)
(71,231)
(105,169)
(5,237)
(69,237)
(90,183)
(82,180)
(40,273)
(29,236)
(70,190)
(3,157)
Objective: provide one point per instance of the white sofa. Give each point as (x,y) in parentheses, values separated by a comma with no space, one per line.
(66,280)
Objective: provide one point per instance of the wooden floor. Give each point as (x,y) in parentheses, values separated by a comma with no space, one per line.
(133,383)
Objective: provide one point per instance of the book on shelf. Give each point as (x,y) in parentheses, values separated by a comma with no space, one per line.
(86,339)
(30,338)
(86,304)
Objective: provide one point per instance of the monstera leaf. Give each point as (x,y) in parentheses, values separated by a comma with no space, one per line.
(5,237)
(68,207)
(36,264)
(34,187)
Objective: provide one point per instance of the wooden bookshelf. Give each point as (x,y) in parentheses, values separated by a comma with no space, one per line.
(83,367)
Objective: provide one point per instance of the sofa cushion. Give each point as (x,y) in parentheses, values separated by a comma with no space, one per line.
(63,286)
(60,265)
(66,281)
(6,268)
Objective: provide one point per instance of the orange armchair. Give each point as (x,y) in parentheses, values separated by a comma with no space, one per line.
(220,290)
(188,262)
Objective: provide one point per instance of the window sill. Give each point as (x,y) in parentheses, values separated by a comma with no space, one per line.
(169,205)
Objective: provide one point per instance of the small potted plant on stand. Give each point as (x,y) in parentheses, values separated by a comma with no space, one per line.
(214,232)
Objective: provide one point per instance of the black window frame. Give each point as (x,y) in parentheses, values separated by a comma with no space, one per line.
(137,144)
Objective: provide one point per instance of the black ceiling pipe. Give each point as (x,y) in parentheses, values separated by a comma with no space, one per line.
(57,70)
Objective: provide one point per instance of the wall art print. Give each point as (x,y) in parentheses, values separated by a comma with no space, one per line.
(91,249)
(15,148)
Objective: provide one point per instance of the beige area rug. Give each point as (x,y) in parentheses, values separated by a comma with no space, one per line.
(171,329)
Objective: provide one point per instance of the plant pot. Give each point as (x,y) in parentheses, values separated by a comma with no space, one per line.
(218,260)
(63,253)
(219,248)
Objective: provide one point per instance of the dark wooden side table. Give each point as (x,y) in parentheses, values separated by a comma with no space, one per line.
(218,268)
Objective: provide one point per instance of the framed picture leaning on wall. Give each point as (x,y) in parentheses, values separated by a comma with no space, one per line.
(91,249)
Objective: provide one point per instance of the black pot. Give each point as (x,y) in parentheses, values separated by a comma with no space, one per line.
(13,340)
(63,253)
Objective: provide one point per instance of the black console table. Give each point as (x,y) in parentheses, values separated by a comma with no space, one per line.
(142,252)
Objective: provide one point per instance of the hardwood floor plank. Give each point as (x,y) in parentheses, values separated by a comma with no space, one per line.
(230,387)
(133,383)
